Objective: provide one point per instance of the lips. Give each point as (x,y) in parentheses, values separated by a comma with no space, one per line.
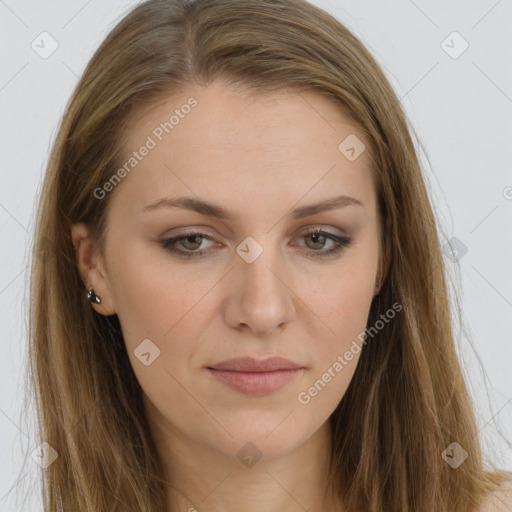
(249,364)
(255,377)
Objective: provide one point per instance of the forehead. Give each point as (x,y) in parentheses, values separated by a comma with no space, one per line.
(224,113)
(223,138)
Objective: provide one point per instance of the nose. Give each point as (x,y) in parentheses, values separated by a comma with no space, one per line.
(260,296)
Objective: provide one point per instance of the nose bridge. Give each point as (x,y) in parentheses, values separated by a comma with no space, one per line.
(260,263)
(261,298)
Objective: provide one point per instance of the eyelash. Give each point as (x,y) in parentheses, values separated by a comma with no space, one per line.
(342,242)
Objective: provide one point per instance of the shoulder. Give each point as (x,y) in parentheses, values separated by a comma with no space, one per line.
(500,501)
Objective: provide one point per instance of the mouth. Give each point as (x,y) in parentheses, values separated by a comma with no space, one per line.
(256,377)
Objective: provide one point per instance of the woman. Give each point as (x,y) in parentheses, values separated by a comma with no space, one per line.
(245,305)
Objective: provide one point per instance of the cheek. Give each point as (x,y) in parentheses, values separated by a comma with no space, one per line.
(343,308)
(336,353)
(347,314)
(152,296)
(158,301)
(344,301)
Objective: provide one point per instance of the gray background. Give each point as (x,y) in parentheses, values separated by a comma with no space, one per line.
(461,109)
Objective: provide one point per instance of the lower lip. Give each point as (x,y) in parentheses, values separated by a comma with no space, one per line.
(256,383)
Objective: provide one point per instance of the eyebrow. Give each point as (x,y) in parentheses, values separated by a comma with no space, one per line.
(216,210)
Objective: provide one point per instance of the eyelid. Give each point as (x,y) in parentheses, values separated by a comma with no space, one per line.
(200,230)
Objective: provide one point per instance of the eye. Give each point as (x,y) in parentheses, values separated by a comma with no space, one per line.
(192,241)
(194,238)
(319,239)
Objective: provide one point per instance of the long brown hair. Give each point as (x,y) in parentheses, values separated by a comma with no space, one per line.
(407,401)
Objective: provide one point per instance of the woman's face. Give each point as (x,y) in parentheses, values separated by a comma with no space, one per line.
(252,283)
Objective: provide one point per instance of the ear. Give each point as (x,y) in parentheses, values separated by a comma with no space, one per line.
(91,266)
(384,262)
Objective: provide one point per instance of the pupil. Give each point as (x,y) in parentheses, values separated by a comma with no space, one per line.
(192,239)
(316,237)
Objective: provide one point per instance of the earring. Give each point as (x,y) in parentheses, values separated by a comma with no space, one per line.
(92,297)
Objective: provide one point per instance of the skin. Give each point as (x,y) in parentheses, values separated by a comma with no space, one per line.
(265,156)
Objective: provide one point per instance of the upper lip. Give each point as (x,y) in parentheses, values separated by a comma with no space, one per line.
(250,364)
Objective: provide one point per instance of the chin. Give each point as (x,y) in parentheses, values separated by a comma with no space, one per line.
(270,435)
